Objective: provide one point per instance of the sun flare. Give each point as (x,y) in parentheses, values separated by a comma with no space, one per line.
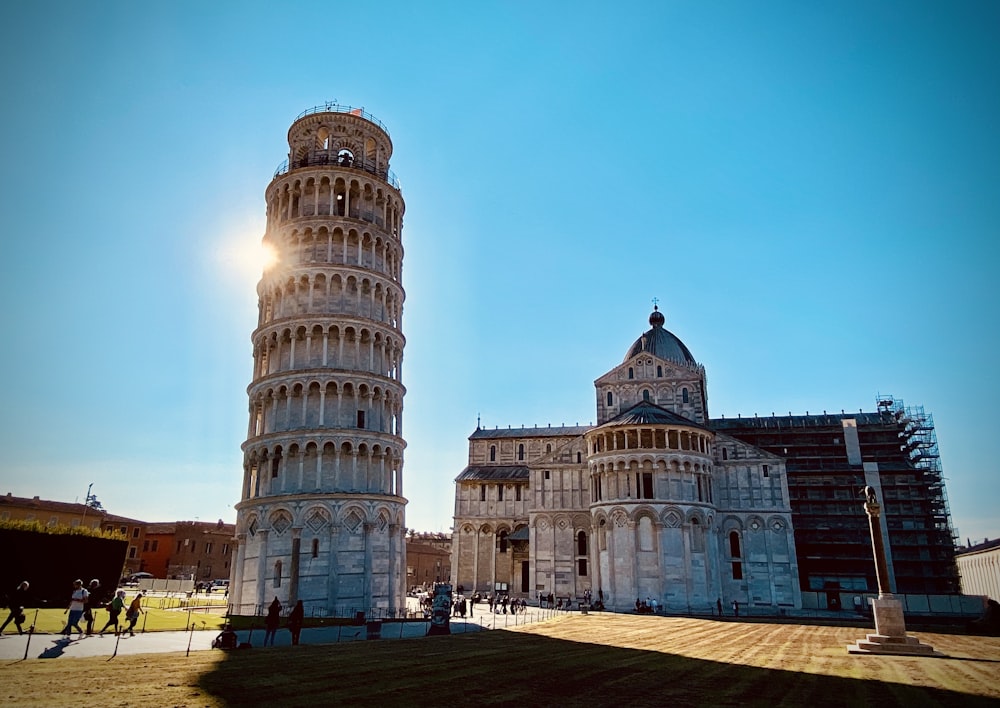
(268,256)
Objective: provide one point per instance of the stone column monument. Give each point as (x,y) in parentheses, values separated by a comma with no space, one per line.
(890,626)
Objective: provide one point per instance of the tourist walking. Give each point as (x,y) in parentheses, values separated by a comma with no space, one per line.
(94,601)
(295,619)
(718,606)
(272,621)
(16,602)
(736,609)
(115,608)
(132,614)
(77,604)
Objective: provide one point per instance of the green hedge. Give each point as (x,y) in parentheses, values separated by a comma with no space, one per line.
(58,529)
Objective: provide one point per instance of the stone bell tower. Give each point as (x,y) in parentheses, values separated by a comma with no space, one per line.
(321,515)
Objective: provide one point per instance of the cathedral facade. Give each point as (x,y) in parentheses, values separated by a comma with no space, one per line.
(321,516)
(649,504)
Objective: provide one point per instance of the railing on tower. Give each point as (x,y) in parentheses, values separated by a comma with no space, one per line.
(334,107)
(340,161)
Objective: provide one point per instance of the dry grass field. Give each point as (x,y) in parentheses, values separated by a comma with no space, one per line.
(593,660)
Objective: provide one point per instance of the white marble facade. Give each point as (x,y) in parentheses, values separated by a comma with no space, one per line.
(321,516)
(648,504)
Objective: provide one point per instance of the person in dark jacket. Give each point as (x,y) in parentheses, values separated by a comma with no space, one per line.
(95,601)
(295,621)
(272,621)
(17,601)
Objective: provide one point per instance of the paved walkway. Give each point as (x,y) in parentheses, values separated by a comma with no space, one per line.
(55,646)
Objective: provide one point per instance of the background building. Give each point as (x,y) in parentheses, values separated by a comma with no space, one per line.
(428,559)
(979,568)
(157,548)
(134,531)
(321,516)
(49,513)
(200,551)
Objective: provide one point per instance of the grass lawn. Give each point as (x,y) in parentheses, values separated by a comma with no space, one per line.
(152,620)
(594,660)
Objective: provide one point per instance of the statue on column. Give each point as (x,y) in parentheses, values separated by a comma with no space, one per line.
(890,626)
(874,511)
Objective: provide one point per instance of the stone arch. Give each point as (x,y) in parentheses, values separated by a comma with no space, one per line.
(353,518)
(731,522)
(696,515)
(280,520)
(672,517)
(777,523)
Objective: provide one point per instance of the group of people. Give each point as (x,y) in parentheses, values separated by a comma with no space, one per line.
(552,602)
(85,602)
(647,606)
(498,605)
(273,620)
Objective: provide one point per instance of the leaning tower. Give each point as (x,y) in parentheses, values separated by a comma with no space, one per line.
(321,512)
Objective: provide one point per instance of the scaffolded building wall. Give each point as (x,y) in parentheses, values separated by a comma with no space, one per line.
(830,459)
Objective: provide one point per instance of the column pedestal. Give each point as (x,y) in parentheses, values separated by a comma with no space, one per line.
(890,632)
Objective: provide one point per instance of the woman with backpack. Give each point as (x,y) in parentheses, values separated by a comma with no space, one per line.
(115,608)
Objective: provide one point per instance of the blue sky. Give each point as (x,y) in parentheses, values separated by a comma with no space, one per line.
(811,190)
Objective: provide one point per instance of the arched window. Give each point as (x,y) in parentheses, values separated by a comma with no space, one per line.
(277,573)
(548,449)
(503,541)
(493,453)
(645,395)
(697,536)
(684,395)
(609,398)
(734,544)
(645,534)
(631,373)
(659,371)
(315,548)
(520,451)
(725,453)
(581,543)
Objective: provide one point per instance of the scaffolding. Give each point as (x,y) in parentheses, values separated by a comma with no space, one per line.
(824,481)
(919,441)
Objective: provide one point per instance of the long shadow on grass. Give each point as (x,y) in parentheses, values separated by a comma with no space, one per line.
(512,669)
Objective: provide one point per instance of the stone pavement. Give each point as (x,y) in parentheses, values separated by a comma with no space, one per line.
(55,646)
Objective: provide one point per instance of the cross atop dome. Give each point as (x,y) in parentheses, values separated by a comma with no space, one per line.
(656,319)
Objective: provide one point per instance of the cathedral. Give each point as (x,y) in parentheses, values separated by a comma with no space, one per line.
(652,503)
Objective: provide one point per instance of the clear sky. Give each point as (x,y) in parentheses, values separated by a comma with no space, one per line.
(812,191)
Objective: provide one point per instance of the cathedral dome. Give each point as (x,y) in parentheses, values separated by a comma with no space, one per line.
(660,342)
